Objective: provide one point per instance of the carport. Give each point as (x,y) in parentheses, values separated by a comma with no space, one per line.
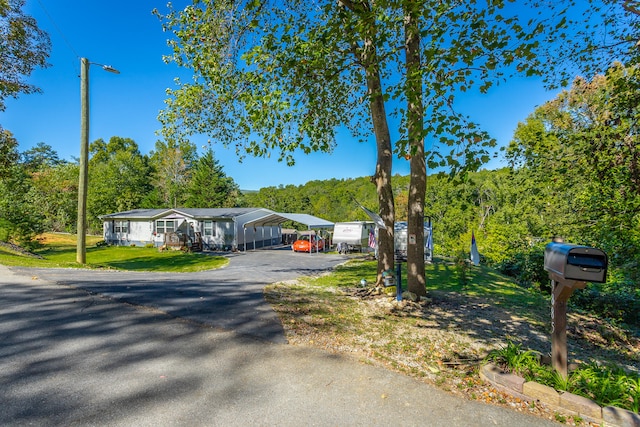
(277,218)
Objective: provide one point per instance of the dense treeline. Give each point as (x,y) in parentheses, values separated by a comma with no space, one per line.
(512,215)
(39,192)
(574,172)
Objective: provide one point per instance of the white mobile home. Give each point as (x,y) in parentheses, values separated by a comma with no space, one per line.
(202,229)
(213,229)
(400,237)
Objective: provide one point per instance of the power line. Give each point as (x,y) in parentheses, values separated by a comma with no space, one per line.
(53,22)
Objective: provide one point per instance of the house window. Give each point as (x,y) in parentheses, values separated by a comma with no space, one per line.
(121,226)
(165,226)
(209,228)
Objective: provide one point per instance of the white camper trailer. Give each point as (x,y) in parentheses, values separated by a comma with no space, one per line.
(400,240)
(400,236)
(354,234)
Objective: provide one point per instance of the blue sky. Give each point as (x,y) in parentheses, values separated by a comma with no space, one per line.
(125,35)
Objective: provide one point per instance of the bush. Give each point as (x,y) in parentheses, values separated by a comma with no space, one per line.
(619,301)
(608,385)
(462,268)
(4,230)
(527,267)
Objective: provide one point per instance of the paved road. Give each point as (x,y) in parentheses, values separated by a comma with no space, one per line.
(230,298)
(201,349)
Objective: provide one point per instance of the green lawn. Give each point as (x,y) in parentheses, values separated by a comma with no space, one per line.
(444,276)
(480,281)
(59,251)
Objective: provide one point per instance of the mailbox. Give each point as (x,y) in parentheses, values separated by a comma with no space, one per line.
(574,262)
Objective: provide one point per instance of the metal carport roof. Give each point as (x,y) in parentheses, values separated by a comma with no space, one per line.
(278,218)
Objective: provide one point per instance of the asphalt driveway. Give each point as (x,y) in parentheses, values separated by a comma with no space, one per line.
(140,349)
(229,298)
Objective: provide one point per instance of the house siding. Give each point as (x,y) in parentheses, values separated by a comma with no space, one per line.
(229,232)
(139,233)
(222,234)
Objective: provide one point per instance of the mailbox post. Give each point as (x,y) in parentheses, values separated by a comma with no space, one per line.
(570,267)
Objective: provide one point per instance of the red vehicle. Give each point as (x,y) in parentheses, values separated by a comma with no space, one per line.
(308,243)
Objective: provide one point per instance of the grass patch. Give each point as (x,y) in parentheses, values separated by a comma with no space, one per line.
(59,251)
(479,281)
(443,276)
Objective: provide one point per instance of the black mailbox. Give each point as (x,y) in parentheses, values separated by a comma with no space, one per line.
(573,262)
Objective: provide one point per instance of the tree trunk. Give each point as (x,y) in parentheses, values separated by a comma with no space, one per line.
(366,55)
(382,177)
(416,281)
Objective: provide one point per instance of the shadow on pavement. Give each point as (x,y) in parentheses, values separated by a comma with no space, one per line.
(64,351)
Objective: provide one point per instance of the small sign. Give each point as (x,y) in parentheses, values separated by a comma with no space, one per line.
(412,239)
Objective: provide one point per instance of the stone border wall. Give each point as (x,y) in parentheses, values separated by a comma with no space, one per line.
(567,402)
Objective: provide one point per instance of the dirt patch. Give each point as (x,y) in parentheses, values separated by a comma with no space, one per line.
(442,339)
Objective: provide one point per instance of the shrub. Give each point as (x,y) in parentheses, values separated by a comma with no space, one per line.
(606,385)
(527,267)
(524,363)
(619,301)
(462,268)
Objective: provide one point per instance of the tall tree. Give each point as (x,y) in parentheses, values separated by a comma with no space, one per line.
(272,75)
(172,162)
(42,155)
(23,48)
(285,76)
(584,147)
(119,178)
(209,186)
(416,280)
(452,47)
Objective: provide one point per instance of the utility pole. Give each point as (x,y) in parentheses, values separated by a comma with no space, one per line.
(81,248)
